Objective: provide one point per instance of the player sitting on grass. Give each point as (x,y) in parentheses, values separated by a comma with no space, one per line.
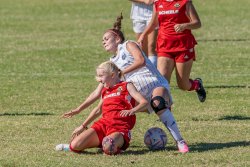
(112,131)
(138,69)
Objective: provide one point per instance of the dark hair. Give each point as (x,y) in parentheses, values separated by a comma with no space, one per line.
(117,28)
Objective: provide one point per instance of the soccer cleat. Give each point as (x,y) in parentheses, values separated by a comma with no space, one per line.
(182,146)
(62,147)
(201,93)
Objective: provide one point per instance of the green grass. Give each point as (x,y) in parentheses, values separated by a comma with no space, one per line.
(48,53)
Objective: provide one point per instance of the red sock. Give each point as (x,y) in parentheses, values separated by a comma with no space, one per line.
(194,85)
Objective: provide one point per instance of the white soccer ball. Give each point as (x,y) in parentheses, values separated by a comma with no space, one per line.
(155,138)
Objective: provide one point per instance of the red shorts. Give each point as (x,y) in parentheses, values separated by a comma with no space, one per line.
(179,57)
(103,130)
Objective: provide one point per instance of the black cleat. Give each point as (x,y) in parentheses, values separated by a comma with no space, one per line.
(201,93)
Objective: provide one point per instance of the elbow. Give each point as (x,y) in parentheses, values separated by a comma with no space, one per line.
(142,62)
(199,25)
(145,102)
(148,2)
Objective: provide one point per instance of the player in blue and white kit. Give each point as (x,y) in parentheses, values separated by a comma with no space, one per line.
(137,69)
(141,14)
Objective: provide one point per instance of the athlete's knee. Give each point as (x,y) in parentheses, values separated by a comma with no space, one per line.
(109,146)
(158,104)
(74,147)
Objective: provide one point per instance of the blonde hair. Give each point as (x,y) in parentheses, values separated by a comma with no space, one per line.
(109,67)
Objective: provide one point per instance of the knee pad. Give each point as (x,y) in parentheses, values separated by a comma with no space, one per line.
(162,104)
(109,147)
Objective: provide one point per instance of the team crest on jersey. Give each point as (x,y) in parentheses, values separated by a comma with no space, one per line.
(119,90)
(123,57)
(177,5)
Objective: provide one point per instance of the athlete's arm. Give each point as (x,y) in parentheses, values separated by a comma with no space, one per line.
(142,102)
(147,2)
(194,23)
(136,52)
(90,100)
(96,112)
(151,26)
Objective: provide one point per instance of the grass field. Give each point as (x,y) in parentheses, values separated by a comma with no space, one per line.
(48,53)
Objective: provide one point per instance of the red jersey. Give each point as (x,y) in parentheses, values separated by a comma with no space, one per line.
(170,13)
(116,99)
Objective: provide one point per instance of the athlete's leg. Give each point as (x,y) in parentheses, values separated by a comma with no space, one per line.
(144,43)
(87,139)
(112,143)
(138,27)
(165,65)
(167,117)
(183,71)
(151,47)
(165,114)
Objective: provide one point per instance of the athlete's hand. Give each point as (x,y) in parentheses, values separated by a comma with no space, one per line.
(179,27)
(140,40)
(77,132)
(70,113)
(125,113)
(148,2)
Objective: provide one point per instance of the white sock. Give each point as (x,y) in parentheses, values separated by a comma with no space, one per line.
(153,59)
(168,120)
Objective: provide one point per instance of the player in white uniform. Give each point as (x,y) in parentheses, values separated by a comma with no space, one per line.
(141,14)
(142,73)
(146,78)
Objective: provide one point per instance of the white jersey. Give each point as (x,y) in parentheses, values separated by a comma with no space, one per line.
(141,11)
(146,78)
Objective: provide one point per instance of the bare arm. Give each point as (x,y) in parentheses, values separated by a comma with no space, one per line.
(151,26)
(194,23)
(96,112)
(90,100)
(136,52)
(142,102)
(147,2)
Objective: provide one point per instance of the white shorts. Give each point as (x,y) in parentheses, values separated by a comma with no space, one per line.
(140,25)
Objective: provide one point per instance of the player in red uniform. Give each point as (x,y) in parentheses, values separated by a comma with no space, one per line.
(175,42)
(112,131)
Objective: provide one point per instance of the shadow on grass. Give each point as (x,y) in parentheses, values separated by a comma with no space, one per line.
(235,117)
(138,150)
(202,147)
(135,150)
(227,86)
(26,114)
(223,40)
(221,86)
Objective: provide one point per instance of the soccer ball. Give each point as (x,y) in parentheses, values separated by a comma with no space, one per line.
(155,138)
